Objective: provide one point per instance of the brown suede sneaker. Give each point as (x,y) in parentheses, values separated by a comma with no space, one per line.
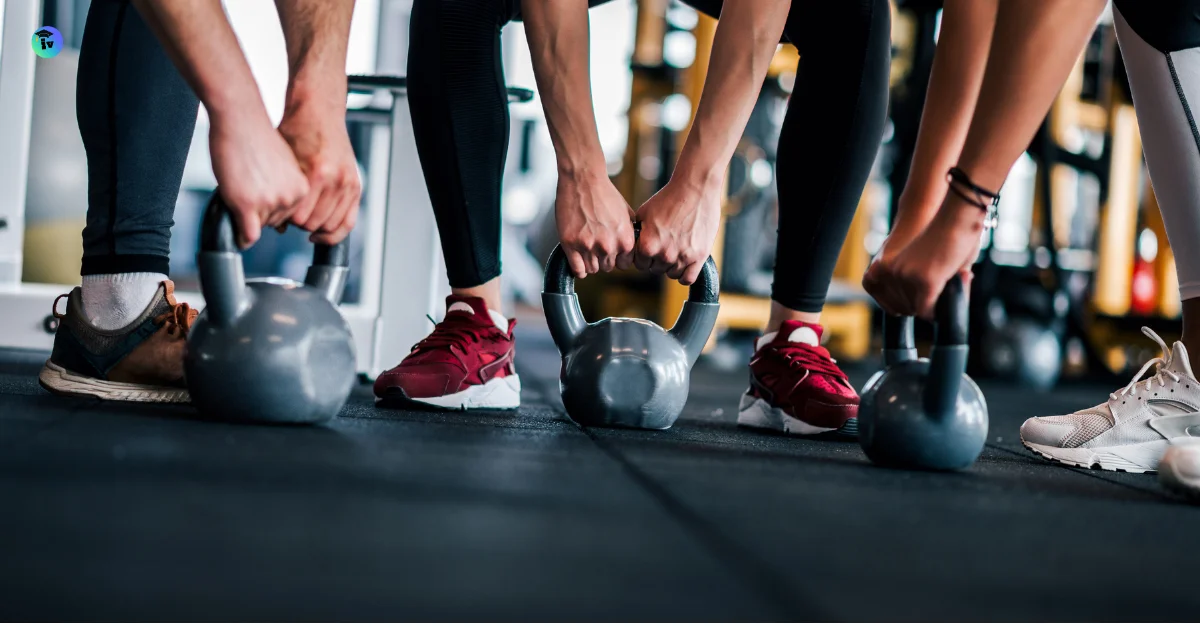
(142,362)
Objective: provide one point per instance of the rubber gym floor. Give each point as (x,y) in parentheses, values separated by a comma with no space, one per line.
(148,513)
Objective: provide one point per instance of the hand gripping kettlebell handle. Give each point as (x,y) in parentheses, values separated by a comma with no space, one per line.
(223,276)
(566,321)
(948,360)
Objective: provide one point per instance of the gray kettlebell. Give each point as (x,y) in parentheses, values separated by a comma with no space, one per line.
(270,350)
(620,371)
(919,413)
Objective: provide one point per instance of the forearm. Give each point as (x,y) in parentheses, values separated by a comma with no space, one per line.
(1037,42)
(317,33)
(557,31)
(745,42)
(198,38)
(954,83)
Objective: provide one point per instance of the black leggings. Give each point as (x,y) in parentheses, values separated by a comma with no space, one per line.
(136,117)
(827,144)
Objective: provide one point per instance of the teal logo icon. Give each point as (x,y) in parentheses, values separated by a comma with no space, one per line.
(47,42)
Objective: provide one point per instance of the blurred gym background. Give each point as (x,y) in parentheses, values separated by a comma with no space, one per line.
(1078,264)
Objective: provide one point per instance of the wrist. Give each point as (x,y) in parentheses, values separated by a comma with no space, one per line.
(583,168)
(701,175)
(239,119)
(960,216)
(321,93)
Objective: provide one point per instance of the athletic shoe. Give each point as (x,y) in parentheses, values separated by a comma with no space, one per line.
(796,387)
(465,363)
(1180,466)
(1129,432)
(142,362)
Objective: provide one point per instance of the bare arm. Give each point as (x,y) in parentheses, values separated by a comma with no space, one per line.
(745,42)
(594,221)
(1036,43)
(680,222)
(317,33)
(557,31)
(256,171)
(199,39)
(958,67)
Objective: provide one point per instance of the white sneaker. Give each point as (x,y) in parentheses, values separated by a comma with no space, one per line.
(1180,466)
(1131,431)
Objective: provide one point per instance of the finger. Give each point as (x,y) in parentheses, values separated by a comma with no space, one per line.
(338,206)
(926,307)
(302,211)
(340,220)
(276,216)
(660,264)
(324,214)
(575,261)
(643,255)
(692,273)
(967,276)
(625,260)
(249,229)
(607,262)
(593,265)
(675,272)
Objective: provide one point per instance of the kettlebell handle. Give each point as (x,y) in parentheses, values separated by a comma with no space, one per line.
(948,360)
(223,276)
(899,343)
(692,328)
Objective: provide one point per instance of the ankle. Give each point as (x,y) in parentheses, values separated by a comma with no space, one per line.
(489,292)
(781,313)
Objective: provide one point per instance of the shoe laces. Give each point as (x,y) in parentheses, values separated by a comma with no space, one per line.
(1160,375)
(815,359)
(454,333)
(180,316)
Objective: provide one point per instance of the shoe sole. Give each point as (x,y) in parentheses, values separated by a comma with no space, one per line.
(498,394)
(67,383)
(756,413)
(1131,458)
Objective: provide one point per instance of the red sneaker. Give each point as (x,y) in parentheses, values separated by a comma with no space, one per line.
(465,363)
(795,386)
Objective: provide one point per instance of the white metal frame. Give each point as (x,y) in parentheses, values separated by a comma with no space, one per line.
(403,276)
(16,113)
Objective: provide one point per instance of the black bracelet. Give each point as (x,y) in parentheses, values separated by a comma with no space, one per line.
(975,195)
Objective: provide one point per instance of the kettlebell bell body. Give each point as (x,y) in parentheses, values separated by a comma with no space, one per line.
(271,350)
(621,371)
(925,413)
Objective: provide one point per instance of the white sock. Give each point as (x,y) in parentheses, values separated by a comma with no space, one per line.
(499,320)
(114,300)
(802,334)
